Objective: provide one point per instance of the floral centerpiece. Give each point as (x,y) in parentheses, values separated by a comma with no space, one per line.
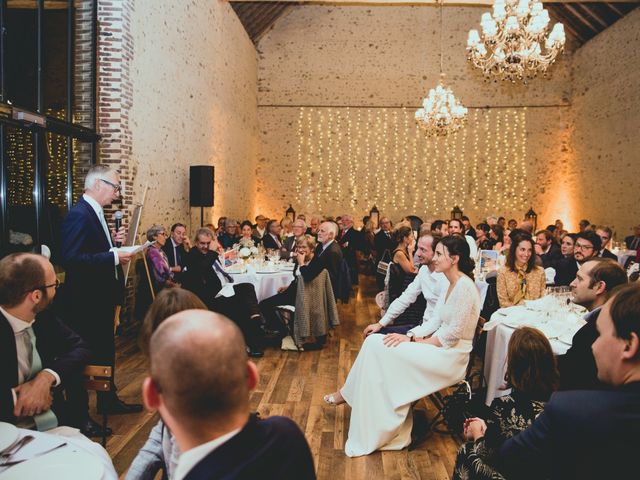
(247,249)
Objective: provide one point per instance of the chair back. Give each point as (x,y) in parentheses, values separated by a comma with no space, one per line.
(98,378)
(316,310)
(476,352)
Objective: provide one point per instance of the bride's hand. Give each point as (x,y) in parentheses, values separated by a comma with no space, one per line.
(394,339)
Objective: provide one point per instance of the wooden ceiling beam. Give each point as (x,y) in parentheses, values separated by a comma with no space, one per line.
(615,9)
(568,23)
(581,18)
(588,11)
(411,2)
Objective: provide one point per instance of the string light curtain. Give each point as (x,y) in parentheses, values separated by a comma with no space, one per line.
(357,157)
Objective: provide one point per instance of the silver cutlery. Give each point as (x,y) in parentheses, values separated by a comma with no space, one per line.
(13,449)
(16,462)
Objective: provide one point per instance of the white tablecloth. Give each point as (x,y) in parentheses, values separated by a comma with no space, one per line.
(482,289)
(266,284)
(75,441)
(559,328)
(624,255)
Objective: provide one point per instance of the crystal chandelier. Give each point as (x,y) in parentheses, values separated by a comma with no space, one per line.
(441,112)
(510,48)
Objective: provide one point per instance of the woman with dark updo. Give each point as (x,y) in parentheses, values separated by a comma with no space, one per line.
(393,371)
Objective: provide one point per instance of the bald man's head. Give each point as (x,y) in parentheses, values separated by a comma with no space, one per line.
(199,366)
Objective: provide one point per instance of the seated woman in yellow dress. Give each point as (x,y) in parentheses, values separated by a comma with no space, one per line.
(520,279)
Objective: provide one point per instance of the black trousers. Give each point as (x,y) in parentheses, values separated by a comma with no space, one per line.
(242,308)
(95,326)
(268,307)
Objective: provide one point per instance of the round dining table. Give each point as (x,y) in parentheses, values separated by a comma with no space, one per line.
(558,326)
(59,453)
(266,284)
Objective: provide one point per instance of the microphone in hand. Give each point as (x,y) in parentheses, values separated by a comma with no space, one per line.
(118,217)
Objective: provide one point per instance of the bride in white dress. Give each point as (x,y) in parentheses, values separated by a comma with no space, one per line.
(392,371)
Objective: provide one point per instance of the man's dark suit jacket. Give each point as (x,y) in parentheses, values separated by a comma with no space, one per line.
(606,253)
(273,448)
(168,249)
(472,233)
(382,243)
(269,243)
(578,367)
(582,434)
(629,241)
(290,245)
(60,349)
(552,257)
(351,241)
(566,270)
(200,277)
(328,260)
(91,289)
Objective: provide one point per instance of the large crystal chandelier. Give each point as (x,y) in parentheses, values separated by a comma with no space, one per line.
(512,39)
(441,112)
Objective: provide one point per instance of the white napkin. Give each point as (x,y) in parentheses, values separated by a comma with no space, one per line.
(543,304)
(550,275)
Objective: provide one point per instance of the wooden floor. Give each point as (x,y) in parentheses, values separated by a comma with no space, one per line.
(292,384)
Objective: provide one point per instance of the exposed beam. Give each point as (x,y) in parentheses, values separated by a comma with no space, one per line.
(615,9)
(582,19)
(567,21)
(412,2)
(585,8)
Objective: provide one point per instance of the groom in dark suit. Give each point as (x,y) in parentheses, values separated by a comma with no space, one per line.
(94,280)
(208,410)
(38,353)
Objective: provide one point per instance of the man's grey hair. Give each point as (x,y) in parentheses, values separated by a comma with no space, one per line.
(230,222)
(333,226)
(96,173)
(153,232)
(207,232)
(299,220)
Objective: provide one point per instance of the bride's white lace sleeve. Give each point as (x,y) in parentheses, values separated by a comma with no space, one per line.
(461,314)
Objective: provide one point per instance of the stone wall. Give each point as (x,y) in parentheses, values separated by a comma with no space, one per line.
(606,115)
(362,71)
(194,103)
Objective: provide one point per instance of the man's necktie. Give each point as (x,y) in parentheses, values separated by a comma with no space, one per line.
(46,420)
(218,268)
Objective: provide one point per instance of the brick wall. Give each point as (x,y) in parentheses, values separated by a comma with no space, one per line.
(115,99)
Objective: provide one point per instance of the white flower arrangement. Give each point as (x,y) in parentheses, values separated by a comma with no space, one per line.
(244,253)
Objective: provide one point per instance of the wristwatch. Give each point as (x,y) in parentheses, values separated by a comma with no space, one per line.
(412,336)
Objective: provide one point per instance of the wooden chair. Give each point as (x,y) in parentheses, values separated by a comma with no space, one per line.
(99,378)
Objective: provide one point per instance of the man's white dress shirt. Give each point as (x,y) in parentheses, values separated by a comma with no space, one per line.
(430,284)
(23,353)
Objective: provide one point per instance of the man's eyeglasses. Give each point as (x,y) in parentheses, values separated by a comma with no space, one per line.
(582,246)
(44,287)
(116,187)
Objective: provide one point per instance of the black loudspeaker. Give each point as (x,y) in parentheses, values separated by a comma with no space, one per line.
(201,186)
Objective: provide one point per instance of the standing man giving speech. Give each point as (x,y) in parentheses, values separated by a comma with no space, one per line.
(94,280)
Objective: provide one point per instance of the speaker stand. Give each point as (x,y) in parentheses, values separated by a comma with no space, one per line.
(201,217)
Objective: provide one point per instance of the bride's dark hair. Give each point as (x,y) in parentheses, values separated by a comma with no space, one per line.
(457,245)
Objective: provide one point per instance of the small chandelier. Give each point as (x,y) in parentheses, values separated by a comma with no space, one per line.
(512,39)
(441,112)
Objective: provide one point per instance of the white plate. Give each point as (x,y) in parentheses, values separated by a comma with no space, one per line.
(8,434)
(63,464)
